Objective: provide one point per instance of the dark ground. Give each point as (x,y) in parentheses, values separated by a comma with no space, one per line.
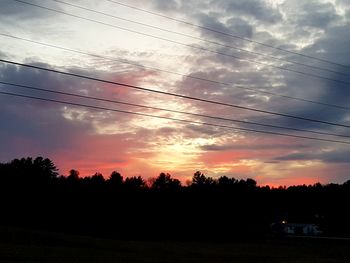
(23,245)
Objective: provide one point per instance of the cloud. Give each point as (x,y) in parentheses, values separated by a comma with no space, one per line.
(241,27)
(3,55)
(169,5)
(315,14)
(212,22)
(23,11)
(258,10)
(260,147)
(333,47)
(333,156)
(73,136)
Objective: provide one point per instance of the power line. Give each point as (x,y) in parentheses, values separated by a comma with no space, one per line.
(188,45)
(201,39)
(175,94)
(168,110)
(170,118)
(176,73)
(229,34)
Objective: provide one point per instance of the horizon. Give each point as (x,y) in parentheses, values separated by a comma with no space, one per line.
(206,86)
(150,180)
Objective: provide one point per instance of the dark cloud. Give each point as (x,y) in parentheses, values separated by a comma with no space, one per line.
(44,129)
(169,5)
(241,27)
(334,47)
(30,127)
(334,156)
(234,25)
(316,14)
(45,122)
(67,134)
(166,132)
(201,131)
(23,11)
(296,157)
(256,9)
(228,93)
(337,157)
(260,147)
(212,22)
(334,42)
(272,162)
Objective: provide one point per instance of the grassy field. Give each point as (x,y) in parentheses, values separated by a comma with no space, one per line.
(18,245)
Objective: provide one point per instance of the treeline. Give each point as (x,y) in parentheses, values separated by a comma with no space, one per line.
(33,194)
(40,171)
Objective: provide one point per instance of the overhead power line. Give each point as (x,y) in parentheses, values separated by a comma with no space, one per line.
(233,85)
(230,34)
(310,75)
(202,39)
(169,118)
(175,94)
(169,110)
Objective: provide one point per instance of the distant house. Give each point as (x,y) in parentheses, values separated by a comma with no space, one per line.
(297,229)
(301,229)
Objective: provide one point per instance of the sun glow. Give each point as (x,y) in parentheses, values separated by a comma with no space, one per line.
(177,153)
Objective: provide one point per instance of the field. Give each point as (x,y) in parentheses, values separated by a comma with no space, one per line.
(19,245)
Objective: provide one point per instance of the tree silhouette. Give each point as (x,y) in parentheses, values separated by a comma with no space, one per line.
(226,182)
(164,181)
(45,168)
(115,180)
(30,172)
(73,178)
(251,183)
(200,180)
(97,179)
(134,182)
(73,175)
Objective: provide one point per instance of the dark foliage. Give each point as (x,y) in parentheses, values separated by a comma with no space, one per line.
(33,194)
(165,182)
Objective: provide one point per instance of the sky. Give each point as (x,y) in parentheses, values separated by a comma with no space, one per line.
(118,42)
